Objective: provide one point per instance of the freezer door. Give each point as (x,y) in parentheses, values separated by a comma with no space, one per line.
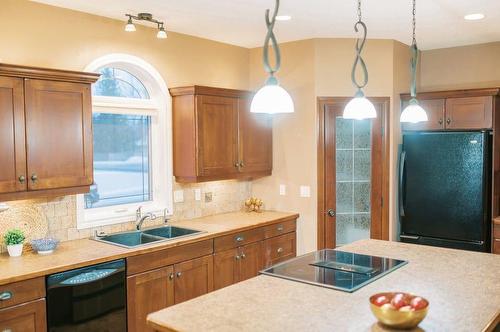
(444,185)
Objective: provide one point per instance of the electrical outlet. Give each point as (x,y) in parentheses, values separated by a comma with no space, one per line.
(178,196)
(282,190)
(197,194)
(208,197)
(305,191)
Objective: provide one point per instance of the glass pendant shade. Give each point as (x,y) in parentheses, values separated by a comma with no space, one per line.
(272,99)
(162,34)
(359,108)
(130,27)
(413,113)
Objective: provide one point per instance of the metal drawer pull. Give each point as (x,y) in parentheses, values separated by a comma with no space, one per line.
(280,228)
(179,274)
(280,250)
(4,296)
(240,238)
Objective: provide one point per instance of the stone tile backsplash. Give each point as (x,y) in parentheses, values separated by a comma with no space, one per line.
(56,217)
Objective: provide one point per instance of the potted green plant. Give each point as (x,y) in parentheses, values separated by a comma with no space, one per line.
(14,239)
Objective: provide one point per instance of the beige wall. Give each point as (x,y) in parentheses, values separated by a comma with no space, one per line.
(475,66)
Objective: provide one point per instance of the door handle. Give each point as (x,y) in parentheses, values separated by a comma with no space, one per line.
(402,163)
(331,213)
(22,178)
(34,177)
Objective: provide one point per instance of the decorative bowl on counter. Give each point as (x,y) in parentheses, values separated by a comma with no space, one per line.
(44,246)
(399,310)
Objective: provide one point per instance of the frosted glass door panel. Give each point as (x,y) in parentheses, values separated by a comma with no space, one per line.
(353,179)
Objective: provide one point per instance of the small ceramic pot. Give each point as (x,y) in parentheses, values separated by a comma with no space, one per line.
(15,250)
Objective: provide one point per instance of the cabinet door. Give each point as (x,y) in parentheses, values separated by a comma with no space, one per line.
(24,317)
(59,134)
(217,136)
(469,113)
(435,114)
(279,249)
(255,140)
(12,142)
(250,261)
(146,293)
(226,265)
(193,278)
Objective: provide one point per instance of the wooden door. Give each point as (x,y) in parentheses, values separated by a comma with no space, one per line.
(59,134)
(146,293)
(435,113)
(226,268)
(255,140)
(353,174)
(193,278)
(469,112)
(217,136)
(24,317)
(12,139)
(250,262)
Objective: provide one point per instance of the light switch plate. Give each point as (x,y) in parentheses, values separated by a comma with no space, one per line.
(282,190)
(197,194)
(178,196)
(305,191)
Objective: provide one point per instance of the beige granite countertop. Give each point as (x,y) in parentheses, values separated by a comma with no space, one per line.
(463,289)
(79,253)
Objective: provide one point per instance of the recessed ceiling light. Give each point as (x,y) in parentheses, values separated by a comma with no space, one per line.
(474,17)
(283,18)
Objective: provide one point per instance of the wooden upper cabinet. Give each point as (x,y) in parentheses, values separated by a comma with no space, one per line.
(469,112)
(455,110)
(193,278)
(45,132)
(217,119)
(146,293)
(59,134)
(255,140)
(12,139)
(435,109)
(216,137)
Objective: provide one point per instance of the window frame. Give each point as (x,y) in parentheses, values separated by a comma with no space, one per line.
(159,108)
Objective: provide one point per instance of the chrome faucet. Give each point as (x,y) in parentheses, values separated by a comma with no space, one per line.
(149,215)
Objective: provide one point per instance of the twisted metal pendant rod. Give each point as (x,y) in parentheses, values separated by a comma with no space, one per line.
(360,44)
(271,38)
(414,56)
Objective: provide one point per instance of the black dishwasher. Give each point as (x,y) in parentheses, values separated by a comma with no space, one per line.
(88,299)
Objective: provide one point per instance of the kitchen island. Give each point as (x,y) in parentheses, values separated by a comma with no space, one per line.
(463,289)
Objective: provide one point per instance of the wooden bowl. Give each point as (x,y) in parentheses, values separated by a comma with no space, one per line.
(394,318)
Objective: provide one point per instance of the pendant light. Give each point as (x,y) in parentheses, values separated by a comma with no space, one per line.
(359,107)
(413,112)
(271,98)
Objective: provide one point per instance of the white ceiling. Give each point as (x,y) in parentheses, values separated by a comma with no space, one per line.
(440,23)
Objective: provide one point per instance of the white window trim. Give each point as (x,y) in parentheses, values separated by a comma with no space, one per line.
(159,108)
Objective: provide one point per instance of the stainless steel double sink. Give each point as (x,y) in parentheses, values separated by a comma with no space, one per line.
(138,238)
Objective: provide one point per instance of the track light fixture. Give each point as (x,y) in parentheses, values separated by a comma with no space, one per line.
(130,27)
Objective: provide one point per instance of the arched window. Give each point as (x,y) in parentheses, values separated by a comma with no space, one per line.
(132,149)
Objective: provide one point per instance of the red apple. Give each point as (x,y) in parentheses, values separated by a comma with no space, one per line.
(381,300)
(418,303)
(399,300)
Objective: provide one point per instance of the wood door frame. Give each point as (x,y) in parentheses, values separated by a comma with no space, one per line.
(321,158)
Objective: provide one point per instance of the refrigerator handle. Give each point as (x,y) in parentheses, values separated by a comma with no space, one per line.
(402,162)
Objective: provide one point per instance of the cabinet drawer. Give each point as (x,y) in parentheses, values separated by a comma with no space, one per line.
(279,229)
(496,246)
(279,248)
(22,291)
(238,239)
(496,231)
(24,317)
(161,258)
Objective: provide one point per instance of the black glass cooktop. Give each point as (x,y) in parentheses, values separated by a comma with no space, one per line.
(335,269)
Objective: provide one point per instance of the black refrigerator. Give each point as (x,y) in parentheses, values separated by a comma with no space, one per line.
(445,189)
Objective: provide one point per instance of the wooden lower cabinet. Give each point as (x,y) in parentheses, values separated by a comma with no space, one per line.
(250,262)
(146,293)
(27,317)
(193,278)
(279,249)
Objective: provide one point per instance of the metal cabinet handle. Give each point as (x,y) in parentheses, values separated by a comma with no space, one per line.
(34,177)
(22,178)
(448,121)
(280,228)
(242,164)
(179,274)
(440,121)
(243,255)
(237,164)
(7,330)
(280,250)
(237,257)
(171,276)
(240,238)
(4,296)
